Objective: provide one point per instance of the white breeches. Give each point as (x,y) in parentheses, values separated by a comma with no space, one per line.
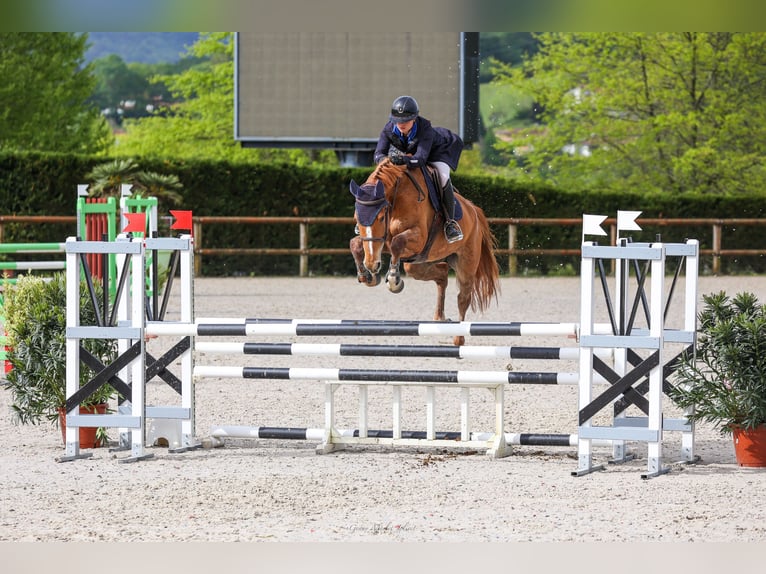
(443,171)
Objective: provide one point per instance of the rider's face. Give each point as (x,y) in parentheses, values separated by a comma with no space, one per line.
(405,127)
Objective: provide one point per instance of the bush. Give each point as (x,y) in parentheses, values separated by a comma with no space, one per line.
(35,323)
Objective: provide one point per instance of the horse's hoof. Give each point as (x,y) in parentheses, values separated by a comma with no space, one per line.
(369,279)
(395,286)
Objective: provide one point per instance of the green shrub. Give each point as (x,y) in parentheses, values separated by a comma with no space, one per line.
(35,323)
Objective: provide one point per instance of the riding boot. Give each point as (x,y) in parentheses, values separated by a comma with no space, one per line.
(452,230)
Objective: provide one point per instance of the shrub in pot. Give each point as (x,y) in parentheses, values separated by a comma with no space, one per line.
(725,380)
(35,323)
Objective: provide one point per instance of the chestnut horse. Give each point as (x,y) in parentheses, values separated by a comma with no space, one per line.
(393,213)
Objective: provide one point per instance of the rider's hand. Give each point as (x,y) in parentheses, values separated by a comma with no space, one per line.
(397,158)
(413,162)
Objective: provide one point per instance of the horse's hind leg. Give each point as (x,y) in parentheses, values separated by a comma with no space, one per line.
(466,282)
(439,274)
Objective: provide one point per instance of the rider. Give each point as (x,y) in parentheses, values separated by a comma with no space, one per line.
(412,134)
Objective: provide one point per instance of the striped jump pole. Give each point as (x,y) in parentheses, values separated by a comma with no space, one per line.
(29,249)
(32,247)
(32,265)
(363,350)
(218,433)
(382,376)
(22,266)
(324,321)
(358,329)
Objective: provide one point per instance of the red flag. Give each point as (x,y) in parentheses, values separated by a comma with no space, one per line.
(136,222)
(183,219)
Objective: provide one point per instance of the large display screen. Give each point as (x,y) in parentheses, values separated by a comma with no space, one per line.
(334,90)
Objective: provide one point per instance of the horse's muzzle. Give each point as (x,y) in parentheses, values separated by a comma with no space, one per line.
(375,268)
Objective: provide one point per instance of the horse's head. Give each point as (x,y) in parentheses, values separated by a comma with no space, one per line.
(371,214)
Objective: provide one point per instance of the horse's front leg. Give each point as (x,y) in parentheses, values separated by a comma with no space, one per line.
(394,277)
(401,246)
(363,275)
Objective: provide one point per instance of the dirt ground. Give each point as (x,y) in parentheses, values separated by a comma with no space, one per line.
(282,491)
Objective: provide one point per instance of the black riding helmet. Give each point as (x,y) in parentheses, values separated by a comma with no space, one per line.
(404,109)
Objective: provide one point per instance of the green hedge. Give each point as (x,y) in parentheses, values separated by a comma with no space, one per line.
(46,184)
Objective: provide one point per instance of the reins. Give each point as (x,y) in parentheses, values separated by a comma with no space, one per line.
(421,193)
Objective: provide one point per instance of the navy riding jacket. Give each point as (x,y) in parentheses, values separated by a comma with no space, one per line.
(429,144)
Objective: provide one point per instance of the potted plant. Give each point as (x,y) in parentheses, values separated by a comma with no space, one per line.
(724,382)
(35,323)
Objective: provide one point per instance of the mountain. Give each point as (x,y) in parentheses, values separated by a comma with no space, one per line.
(142,47)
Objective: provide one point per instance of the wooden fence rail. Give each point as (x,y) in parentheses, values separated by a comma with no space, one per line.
(512,251)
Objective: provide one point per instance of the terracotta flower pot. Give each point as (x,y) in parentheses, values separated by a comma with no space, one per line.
(87,434)
(750,446)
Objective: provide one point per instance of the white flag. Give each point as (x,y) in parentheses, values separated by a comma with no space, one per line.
(626,221)
(591,224)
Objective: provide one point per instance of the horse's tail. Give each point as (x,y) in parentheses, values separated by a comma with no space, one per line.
(487,285)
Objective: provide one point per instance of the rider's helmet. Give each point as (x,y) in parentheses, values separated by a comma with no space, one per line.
(404,109)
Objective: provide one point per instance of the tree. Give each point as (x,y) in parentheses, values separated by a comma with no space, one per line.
(508,47)
(44,95)
(200,123)
(671,112)
(124,90)
(116,85)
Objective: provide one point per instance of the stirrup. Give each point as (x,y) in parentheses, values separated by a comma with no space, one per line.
(452,231)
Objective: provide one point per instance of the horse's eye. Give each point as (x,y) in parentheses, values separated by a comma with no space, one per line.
(356,229)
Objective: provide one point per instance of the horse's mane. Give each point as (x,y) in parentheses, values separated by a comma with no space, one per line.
(386,172)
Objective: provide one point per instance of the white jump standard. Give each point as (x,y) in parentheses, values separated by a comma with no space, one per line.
(126,323)
(636,374)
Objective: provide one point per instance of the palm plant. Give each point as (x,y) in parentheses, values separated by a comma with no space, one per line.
(107,180)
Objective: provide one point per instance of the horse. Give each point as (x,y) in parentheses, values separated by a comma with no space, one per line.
(393,213)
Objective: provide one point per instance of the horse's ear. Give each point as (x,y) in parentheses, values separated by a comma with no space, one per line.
(353,188)
(380,190)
